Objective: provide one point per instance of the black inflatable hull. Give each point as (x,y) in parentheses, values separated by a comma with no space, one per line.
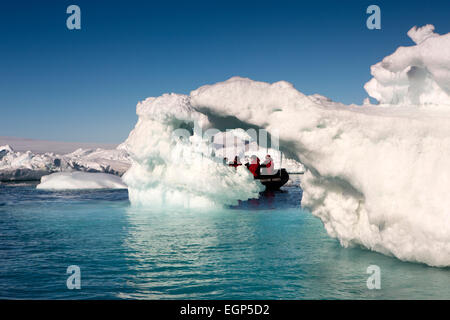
(276,181)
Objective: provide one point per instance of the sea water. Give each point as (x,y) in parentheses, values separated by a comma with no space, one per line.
(261,249)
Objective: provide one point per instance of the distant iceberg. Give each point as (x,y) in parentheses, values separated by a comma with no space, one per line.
(80,180)
(23,166)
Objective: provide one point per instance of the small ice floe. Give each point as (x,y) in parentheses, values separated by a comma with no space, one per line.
(81,180)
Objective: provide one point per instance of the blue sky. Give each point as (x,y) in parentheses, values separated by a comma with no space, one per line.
(83,85)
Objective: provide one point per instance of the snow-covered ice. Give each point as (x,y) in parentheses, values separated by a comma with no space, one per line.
(376,177)
(80,180)
(21,166)
(171,167)
(414,75)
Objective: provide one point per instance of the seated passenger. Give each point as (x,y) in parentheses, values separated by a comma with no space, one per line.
(254,166)
(268,166)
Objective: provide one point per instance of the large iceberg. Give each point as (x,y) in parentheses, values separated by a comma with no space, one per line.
(376,176)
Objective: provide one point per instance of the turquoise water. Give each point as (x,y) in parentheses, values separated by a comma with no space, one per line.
(263,249)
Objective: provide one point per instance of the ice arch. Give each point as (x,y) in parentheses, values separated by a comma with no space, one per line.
(377,177)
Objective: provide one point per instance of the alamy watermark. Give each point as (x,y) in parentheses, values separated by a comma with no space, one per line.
(374,280)
(374,20)
(203,143)
(73,21)
(74,280)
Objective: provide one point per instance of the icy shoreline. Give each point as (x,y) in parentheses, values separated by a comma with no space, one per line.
(28,166)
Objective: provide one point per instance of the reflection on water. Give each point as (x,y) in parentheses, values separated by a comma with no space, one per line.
(201,254)
(267,248)
(263,249)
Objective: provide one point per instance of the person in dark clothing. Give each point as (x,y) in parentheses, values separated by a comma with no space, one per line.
(236,163)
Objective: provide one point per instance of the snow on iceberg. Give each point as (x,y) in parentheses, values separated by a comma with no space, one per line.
(113,161)
(172,164)
(80,180)
(415,75)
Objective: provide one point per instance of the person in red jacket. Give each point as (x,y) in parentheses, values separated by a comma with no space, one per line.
(268,165)
(254,166)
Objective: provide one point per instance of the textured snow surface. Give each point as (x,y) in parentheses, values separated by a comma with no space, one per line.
(414,75)
(172,169)
(376,177)
(80,180)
